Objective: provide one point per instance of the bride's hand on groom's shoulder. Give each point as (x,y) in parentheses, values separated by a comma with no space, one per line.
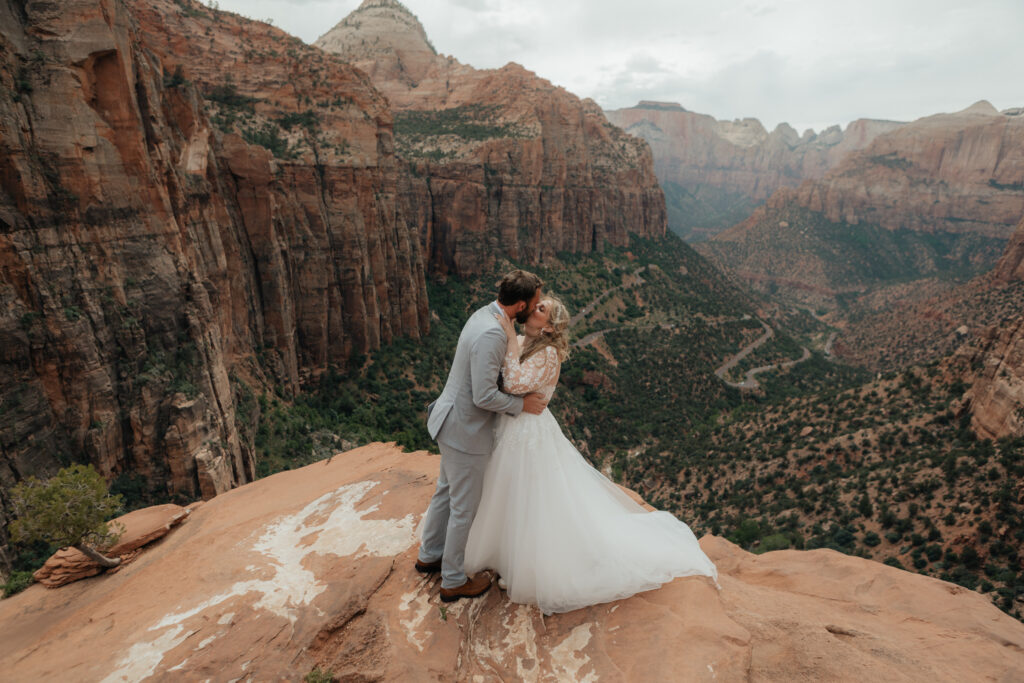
(506,325)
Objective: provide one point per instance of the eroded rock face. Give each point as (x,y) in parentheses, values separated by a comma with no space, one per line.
(936,197)
(957,173)
(733,165)
(501,162)
(997,393)
(313,567)
(146,254)
(1011,266)
(996,396)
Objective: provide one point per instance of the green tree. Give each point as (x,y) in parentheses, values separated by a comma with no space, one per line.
(70,509)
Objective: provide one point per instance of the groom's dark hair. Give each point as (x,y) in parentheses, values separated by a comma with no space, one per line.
(516,286)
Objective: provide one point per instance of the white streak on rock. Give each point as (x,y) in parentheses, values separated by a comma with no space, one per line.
(142,659)
(521,634)
(568,658)
(343,533)
(414,623)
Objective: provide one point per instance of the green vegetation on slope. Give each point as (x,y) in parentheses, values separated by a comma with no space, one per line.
(417,132)
(793,250)
(665,318)
(888,470)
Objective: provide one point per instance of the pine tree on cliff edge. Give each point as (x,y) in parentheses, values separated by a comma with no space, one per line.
(68,510)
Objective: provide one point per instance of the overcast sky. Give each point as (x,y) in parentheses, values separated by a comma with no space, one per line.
(811,63)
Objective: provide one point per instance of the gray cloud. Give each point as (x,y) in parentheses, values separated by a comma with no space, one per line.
(808,62)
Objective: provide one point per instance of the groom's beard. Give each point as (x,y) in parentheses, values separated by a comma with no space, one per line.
(522,316)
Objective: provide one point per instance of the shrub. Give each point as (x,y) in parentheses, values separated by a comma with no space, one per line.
(969,557)
(175,79)
(774,542)
(228,96)
(17,582)
(68,510)
(318,675)
(308,119)
(269,136)
(748,531)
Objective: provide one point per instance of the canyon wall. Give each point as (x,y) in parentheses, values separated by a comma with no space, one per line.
(151,254)
(996,396)
(936,197)
(715,173)
(955,173)
(502,163)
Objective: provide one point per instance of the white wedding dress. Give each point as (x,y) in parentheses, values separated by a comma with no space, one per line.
(559,533)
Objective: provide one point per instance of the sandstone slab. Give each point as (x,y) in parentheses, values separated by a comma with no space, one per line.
(313,568)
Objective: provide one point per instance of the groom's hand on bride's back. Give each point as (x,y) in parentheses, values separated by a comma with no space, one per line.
(534,403)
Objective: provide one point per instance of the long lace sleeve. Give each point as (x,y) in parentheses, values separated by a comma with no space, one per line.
(537,372)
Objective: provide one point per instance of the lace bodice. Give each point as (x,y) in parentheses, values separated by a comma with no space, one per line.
(538,373)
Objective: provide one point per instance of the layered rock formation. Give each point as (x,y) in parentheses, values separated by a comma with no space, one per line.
(139,528)
(938,196)
(502,162)
(313,569)
(146,254)
(996,396)
(960,173)
(716,172)
(1011,266)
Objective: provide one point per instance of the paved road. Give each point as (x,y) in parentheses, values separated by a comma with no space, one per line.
(750,383)
(745,351)
(592,337)
(635,279)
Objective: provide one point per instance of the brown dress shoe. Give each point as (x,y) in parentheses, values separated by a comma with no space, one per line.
(474,587)
(428,567)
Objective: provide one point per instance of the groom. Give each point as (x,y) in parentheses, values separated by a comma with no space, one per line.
(462,421)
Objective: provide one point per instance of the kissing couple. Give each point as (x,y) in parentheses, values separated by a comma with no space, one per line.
(514,495)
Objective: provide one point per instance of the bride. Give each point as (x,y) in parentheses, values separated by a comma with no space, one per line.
(560,534)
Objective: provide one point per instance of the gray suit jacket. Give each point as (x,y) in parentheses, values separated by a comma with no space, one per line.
(463,415)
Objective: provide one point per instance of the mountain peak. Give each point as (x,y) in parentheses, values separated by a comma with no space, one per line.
(981,107)
(390,4)
(375,29)
(659,106)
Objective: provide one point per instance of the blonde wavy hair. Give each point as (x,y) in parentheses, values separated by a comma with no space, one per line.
(558,320)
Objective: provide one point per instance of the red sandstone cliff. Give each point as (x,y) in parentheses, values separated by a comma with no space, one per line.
(1011,265)
(502,162)
(996,396)
(146,255)
(735,161)
(937,196)
(955,173)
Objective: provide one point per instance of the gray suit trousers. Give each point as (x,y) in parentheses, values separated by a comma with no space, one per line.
(451,512)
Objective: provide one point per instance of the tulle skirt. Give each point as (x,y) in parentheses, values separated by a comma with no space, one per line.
(562,535)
